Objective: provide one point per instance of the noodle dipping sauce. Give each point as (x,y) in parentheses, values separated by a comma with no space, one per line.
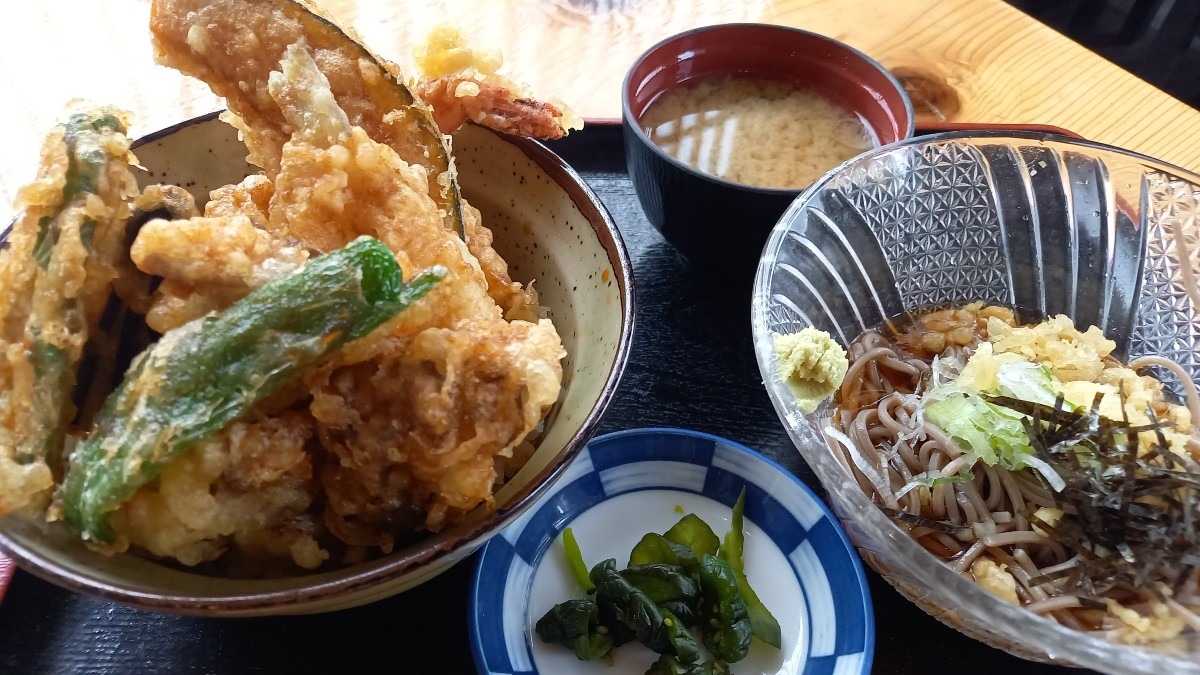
(756,132)
(725,125)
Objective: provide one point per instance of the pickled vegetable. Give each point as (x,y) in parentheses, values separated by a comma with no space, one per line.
(682,643)
(575,624)
(654,549)
(579,568)
(631,607)
(665,665)
(663,583)
(765,626)
(685,578)
(694,533)
(726,625)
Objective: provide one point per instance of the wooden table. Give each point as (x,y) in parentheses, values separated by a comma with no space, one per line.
(977,60)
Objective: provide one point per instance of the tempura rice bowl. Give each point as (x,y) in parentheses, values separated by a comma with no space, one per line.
(549,227)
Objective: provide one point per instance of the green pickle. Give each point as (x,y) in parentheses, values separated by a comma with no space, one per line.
(631,607)
(575,624)
(685,578)
(727,630)
(694,533)
(207,373)
(765,626)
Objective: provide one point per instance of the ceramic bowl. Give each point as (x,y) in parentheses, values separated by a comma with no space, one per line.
(549,226)
(714,222)
(628,483)
(1038,222)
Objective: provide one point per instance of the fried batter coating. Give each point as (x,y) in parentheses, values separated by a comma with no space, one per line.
(335,185)
(234,45)
(517,301)
(252,482)
(57,275)
(457,99)
(207,263)
(413,419)
(205,251)
(165,201)
(417,428)
(410,421)
(156,201)
(460,84)
(250,198)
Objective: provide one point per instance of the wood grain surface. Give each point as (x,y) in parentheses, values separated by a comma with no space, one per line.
(975,60)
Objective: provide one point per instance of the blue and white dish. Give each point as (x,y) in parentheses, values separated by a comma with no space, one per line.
(628,483)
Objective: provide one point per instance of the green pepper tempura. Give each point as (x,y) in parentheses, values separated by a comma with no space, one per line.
(200,377)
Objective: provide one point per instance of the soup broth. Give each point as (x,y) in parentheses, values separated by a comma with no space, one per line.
(756,132)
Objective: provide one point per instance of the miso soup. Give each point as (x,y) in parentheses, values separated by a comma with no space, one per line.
(756,132)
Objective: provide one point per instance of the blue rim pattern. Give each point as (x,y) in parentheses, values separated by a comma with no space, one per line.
(840,617)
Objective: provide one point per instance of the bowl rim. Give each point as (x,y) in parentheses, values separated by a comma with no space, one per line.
(1056,642)
(860,576)
(628,121)
(438,545)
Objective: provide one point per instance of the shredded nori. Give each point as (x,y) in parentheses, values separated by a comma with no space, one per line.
(1131,508)
(1130,505)
(931,523)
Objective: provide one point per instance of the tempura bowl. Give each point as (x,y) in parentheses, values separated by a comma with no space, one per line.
(549,226)
(1041,223)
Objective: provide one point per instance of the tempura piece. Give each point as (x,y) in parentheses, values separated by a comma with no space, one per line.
(415,421)
(461,84)
(205,251)
(57,275)
(416,429)
(251,482)
(156,201)
(209,373)
(517,301)
(234,45)
(208,263)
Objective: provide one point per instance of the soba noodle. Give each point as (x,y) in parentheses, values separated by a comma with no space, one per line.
(976,512)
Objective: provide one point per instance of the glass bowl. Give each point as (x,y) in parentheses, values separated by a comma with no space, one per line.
(1038,222)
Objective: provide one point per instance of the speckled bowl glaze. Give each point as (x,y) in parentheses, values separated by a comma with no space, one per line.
(549,226)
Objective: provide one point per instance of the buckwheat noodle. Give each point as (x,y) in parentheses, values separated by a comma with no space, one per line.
(880,435)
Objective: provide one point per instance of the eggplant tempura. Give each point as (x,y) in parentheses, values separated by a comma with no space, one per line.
(402,430)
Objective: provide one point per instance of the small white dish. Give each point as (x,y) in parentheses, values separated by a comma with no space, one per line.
(628,483)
